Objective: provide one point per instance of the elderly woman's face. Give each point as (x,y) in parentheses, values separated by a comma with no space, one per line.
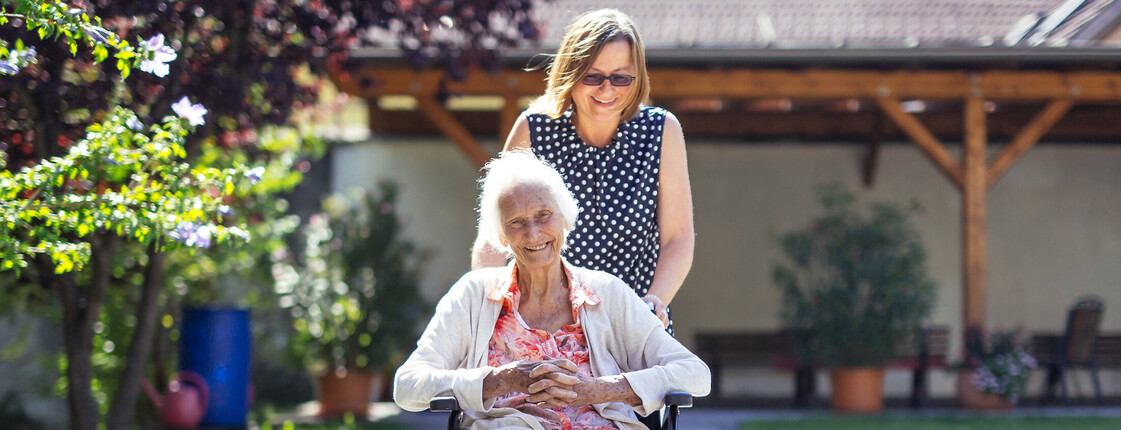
(605,102)
(532,225)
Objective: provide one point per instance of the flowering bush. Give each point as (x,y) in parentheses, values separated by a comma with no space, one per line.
(999,365)
(72,208)
(354,293)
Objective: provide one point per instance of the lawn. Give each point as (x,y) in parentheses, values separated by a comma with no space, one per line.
(919,423)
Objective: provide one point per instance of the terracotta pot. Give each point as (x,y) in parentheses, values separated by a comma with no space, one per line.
(857,389)
(345,391)
(969,397)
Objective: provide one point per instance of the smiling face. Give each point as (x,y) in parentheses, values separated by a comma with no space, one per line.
(605,102)
(532,225)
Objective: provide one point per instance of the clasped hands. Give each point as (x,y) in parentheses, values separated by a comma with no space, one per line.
(551,383)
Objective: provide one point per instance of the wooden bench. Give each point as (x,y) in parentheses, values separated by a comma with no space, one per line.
(773,350)
(1105,353)
(1107,348)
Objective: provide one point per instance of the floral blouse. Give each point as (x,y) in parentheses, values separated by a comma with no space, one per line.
(514,340)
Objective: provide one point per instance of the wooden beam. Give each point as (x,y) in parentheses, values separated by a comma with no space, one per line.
(922,138)
(452,129)
(371,81)
(948,85)
(973,205)
(507,117)
(376,81)
(1026,138)
(1083,123)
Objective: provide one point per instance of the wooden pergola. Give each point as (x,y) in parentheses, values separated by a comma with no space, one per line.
(973,173)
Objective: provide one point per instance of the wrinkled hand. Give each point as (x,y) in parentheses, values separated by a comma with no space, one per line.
(548,382)
(660,309)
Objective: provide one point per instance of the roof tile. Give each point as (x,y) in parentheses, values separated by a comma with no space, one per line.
(742,23)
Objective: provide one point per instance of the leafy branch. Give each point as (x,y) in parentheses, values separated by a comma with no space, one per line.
(56,19)
(48,206)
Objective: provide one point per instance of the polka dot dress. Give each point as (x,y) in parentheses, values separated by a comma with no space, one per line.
(617,190)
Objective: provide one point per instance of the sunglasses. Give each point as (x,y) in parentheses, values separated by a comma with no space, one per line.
(596,79)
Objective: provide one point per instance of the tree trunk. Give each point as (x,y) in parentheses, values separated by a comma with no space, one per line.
(49,104)
(77,337)
(79,314)
(124,401)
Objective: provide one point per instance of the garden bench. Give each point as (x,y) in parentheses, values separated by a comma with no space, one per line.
(1106,354)
(773,350)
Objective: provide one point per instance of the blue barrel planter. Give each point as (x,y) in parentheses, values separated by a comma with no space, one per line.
(215,343)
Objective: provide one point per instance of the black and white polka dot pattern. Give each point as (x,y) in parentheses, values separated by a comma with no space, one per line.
(617,189)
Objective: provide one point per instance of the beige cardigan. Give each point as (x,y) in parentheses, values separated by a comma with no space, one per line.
(623,337)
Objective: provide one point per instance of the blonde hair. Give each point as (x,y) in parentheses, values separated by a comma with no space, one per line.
(510,170)
(583,41)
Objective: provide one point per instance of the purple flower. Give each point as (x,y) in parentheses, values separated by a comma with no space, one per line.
(192,112)
(28,55)
(161,55)
(8,68)
(225,210)
(255,174)
(191,234)
(134,123)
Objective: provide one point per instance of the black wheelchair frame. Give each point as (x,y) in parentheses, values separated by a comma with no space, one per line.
(674,402)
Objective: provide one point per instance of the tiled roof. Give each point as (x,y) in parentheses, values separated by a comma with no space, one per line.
(811,23)
(1082,25)
(1036,34)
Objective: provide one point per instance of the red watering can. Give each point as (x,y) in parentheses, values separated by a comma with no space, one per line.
(185,403)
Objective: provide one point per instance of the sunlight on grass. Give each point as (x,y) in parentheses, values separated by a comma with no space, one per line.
(912,423)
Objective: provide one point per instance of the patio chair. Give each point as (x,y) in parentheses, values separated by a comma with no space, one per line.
(1076,347)
(674,401)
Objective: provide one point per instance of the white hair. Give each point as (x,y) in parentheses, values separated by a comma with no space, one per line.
(510,170)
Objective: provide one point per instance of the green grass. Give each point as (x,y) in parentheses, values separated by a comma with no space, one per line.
(919,423)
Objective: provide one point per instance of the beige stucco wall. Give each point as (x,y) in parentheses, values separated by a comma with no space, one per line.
(1054,228)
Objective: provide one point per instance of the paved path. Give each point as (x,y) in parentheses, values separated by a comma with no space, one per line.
(728,419)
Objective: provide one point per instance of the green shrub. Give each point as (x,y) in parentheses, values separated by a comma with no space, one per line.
(855,286)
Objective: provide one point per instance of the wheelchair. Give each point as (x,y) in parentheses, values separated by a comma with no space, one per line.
(674,402)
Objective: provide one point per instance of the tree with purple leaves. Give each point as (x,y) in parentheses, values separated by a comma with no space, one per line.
(247,65)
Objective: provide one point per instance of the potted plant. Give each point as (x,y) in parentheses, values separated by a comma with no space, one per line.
(855,290)
(994,373)
(353,295)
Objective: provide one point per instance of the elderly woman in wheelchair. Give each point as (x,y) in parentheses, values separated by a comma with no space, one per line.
(540,343)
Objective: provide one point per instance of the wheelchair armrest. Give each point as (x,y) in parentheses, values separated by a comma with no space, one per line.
(679,399)
(445,403)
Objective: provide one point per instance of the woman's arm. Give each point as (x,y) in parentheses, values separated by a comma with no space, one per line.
(605,389)
(482,253)
(652,361)
(639,361)
(675,215)
(433,368)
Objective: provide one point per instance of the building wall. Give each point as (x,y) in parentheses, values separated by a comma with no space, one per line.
(1054,228)
(28,351)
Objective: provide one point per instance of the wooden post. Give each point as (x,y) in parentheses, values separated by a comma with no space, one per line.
(873,157)
(974,184)
(507,116)
(376,115)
